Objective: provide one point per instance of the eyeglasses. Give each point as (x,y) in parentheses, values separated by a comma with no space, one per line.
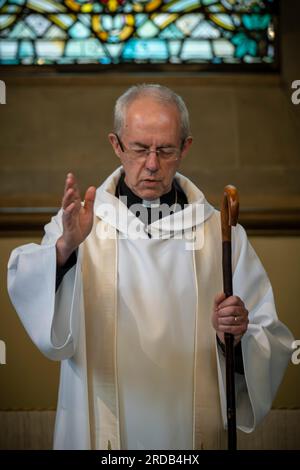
(141,153)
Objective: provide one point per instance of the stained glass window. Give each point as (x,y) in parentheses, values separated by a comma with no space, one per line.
(139,31)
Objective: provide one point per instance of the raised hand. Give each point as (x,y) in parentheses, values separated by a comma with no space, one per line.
(77,219)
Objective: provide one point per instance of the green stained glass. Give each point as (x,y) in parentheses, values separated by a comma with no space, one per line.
(141,31)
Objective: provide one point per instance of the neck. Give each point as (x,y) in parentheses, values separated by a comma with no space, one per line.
(130,188)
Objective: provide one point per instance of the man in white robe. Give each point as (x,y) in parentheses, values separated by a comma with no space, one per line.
(131,303)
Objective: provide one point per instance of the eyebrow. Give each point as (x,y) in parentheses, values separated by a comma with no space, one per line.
(141,144)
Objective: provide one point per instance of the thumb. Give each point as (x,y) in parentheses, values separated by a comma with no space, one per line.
(89,198)
(218,299)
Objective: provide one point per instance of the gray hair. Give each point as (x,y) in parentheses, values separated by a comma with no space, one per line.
(158,92)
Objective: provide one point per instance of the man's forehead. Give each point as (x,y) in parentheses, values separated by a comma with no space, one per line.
(151,115)
(142,106)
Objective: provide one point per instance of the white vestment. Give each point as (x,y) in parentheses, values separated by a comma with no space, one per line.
(131,323)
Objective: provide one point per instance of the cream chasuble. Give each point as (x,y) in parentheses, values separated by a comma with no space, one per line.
(151,343)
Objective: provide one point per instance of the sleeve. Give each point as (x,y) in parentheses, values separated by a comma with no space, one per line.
(61,271)
(50,319)
(238,356)
(267,344)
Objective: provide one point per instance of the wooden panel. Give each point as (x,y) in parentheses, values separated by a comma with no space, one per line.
(34,430)
(30,221)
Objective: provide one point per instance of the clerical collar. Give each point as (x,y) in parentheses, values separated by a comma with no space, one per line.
(153,203)
(168,198)
(175,197)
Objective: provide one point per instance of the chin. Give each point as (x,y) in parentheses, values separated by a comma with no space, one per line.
(150,194)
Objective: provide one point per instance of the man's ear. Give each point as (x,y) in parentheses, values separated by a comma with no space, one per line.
(114,143)
(187,144)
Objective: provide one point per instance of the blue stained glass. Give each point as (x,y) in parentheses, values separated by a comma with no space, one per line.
(244,45)
(21,31)
(205,30)
(65,20)
(78,30)
(49,49)
(182,5)
(223,49)
(142,50)
(10,50)
(26,49)
(174,47)
(193,51)
(172,32)
(85,19)
(114,51)
(256,21)
(147,30)
(39,24)
(6,21)
(115,31)
(140,19)
(54,32)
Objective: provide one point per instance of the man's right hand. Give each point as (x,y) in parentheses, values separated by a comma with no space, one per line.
(77,219)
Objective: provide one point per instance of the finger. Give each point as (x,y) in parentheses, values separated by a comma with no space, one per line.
(232,300)
(233,321)
(220,297)
(89,198)
(69,197)
(71,182)
(233,311)
(69,211)
(234,330)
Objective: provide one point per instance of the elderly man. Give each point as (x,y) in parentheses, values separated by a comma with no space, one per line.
(125,290)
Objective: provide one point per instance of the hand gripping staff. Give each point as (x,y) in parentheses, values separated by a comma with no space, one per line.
(229,217)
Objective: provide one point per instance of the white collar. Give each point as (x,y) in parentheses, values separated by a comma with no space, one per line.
(110,209)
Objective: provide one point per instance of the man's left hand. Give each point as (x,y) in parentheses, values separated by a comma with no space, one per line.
(230,316)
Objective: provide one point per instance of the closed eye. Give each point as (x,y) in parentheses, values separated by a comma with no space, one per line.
(139,150)
(166,149)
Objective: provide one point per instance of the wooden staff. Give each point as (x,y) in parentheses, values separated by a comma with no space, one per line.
(229,217)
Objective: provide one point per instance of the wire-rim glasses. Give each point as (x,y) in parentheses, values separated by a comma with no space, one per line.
(142,152)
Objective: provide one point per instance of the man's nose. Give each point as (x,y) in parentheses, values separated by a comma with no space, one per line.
(152,162)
